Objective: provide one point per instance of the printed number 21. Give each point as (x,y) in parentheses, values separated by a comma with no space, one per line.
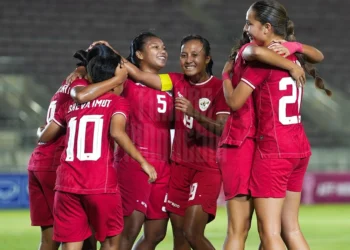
(291,99)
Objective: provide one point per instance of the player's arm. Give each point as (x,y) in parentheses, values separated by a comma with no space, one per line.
(117,131)
(267,56)
(82,94)
(284,48)
(156,81)
(236,97)
(214,126)
(50,132)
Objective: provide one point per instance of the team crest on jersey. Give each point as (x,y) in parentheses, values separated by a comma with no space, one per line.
(204,104)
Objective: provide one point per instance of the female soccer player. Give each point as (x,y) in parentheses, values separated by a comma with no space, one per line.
(283,150)
(237,144)
(87,182)
(199,118)
(149,129)
(237,147)
(43,164)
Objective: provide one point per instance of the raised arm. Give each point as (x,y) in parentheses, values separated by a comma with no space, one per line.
(82,94)
(267,56)
(283,48)
(155,81)
(117,130)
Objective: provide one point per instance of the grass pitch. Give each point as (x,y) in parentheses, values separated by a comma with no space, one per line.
(325,227)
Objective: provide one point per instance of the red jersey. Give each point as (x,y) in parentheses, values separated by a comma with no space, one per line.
(194,146)
(241,123)
(280,133)
(46,157)
(149,121)
(87,161)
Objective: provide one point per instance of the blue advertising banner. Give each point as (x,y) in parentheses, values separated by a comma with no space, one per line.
(14,191)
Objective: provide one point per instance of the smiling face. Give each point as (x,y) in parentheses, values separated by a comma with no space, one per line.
(254,29)
(193,59)
(153,54)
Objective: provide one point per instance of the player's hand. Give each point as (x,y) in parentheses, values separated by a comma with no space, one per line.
(78,73)
(150,170)
(298,75)
(121,72)
(228,67)
(184,105)
(279,49)
(104,43)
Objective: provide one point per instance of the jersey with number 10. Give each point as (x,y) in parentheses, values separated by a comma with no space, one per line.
(280,133)
(149,121)
(46,157)
(87,161)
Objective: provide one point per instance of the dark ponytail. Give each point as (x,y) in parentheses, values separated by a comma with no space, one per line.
(239,44)
(98,50)
(271,11)
(206,46)
(137,45)
(308,67)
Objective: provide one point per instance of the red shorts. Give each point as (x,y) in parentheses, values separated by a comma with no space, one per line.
(138,194)
(271,178)
(41,196)
(74,213)
(235,165)
(188,187)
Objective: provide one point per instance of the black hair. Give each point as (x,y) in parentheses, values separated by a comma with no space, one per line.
(137,44)
(270,11)
(98,50)
(206,46)
(102,68)
(239,44)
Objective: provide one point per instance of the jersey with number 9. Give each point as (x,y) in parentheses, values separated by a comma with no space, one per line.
(280,133)
(87,161)
(46,157)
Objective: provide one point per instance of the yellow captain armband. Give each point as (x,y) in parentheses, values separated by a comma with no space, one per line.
(166,82)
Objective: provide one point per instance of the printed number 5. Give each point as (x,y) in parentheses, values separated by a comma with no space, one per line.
(161,100)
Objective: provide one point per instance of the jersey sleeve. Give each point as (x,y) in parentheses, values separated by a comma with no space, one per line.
(121,106)
(78,82)
(60,115)
(255,74)
(221,105)
(175,79)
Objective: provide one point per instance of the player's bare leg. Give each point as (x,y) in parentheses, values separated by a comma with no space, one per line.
(47,243)
(195,222)
(269,212)
(90,243)
(132,228)
(154,232)
(291,232)
(239,212)
(177,223)
(111,243)
(72,245)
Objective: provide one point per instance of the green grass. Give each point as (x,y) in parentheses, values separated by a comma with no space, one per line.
(325,227)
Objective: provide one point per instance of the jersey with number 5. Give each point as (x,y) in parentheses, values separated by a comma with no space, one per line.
(87,161)
(46,157)
(280,133)
(149,121)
